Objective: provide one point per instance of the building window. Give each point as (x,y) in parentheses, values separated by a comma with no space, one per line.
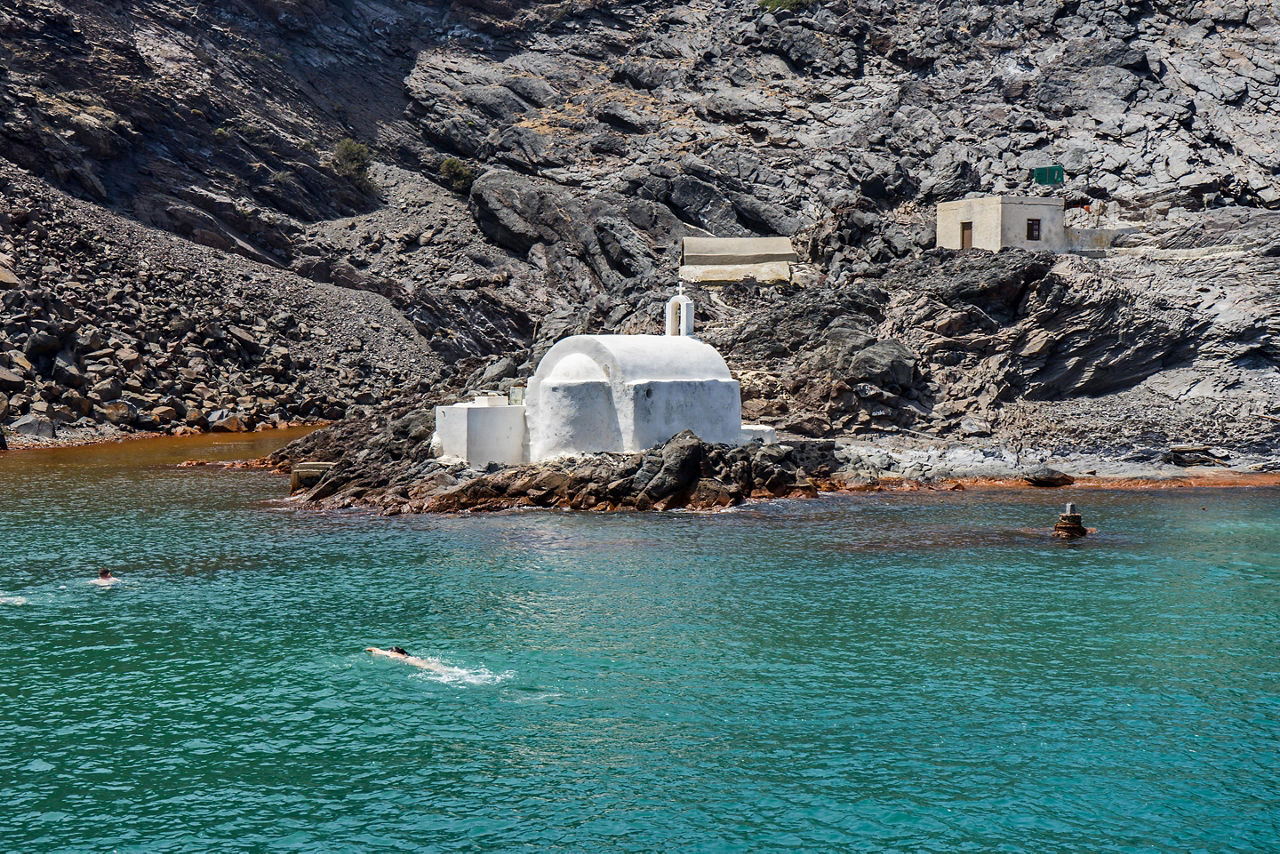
(1033,229)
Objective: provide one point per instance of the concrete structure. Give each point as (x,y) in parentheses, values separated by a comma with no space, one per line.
(1095,241)
(733,259)
(486,430)
(306,474)
(757,433)
(595,393)
(997,222)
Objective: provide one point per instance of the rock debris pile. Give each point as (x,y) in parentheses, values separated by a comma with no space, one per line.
(683,473)
(105,324)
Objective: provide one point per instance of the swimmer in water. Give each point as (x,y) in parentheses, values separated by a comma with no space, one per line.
(105,578)
(401,654)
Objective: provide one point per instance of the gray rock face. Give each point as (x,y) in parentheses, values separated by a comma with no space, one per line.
(517,212)
(34,425)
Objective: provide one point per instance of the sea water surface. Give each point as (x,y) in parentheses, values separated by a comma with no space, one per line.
(913,672)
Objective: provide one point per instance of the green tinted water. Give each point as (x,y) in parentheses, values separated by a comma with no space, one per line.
(910,672)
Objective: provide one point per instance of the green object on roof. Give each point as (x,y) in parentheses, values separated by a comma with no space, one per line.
(1049,175)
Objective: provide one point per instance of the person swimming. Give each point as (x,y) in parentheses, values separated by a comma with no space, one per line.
(105,578)
(401,654)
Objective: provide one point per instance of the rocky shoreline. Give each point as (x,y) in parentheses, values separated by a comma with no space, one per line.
(399,475)
(389,468)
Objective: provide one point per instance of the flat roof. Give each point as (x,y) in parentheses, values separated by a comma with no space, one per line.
(1047,201)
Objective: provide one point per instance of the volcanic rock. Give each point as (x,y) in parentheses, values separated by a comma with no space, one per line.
(34,425)
(1044,476)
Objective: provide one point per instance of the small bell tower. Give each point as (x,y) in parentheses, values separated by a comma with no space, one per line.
(680,314)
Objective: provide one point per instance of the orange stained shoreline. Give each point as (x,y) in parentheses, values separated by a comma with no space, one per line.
(1192,479)
(249,450)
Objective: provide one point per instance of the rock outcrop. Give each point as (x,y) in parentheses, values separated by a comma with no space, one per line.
(395,473)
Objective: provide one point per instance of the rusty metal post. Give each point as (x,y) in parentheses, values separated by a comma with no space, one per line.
(1070,524)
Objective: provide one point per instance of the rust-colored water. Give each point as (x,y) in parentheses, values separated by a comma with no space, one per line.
(146,453)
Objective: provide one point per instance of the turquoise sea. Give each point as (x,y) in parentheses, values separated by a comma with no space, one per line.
(879,672)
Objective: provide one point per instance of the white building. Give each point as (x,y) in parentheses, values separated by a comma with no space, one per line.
(594,393)
(629,393)
(997,222)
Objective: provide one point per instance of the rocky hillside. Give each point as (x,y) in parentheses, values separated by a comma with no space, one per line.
(105,323)
(534,166)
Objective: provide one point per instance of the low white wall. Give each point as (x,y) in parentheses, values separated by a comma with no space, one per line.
(451,431)
(772,271)
(761,432)
(482,434)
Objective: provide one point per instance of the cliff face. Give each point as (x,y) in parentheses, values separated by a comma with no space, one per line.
(536,164)
(208,121)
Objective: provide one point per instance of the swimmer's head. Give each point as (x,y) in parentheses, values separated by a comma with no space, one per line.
(399,650)
(104,573)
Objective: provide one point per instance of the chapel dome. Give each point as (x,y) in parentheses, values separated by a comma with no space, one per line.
(632,358)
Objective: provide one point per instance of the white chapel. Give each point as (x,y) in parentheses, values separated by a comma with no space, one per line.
(595,393)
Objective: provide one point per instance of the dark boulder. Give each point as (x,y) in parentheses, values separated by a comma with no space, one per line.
(516,211)
(41,343)
(9,381)
(886,362)
(119,412)
(681,461)
(1047,477)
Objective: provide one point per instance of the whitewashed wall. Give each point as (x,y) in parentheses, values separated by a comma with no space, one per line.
(627,393)
(482,434)
(1001,221)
